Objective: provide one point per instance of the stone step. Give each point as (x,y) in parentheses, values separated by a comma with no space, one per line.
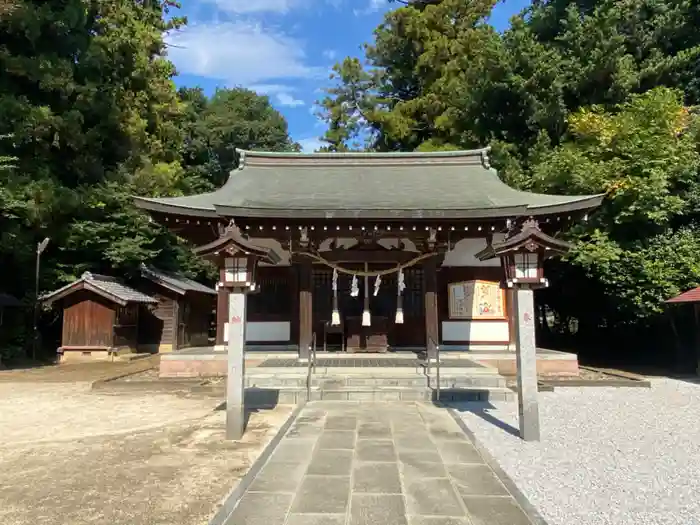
(374,371)
(336,382)
(263,397)
(133,356)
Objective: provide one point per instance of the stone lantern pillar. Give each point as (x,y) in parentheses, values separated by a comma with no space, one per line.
(239,256)
(522,255)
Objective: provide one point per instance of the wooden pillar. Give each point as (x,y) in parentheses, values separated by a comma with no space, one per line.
(431,307)
(512,319)
(222,306)
(221,316)
(696,353)
(305,308)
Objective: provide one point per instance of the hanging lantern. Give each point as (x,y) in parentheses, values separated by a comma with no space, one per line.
(335,316)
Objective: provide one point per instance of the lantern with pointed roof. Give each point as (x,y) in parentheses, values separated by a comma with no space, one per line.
(240,257)
(522,255)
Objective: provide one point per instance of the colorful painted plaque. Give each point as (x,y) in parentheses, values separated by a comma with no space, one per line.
(476,300)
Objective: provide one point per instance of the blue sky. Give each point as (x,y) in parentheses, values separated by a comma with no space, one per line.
(282,48)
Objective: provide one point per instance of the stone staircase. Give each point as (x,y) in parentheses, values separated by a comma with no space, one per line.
(408,381)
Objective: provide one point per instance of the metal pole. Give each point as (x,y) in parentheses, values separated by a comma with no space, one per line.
(35,340)
(40,247)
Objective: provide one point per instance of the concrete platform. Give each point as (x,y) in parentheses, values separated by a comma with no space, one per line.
(208,362)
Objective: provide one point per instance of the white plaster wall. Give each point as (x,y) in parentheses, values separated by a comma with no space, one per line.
(481,331)
(463,253)
(264,331)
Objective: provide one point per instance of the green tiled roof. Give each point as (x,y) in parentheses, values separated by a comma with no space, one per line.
(456,184)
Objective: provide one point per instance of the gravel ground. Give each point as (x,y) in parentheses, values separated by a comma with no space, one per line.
(583,373)
(608,456)
(72,456)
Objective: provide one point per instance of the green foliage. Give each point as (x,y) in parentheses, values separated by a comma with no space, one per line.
(232,118)
(576,97)
(87,94)
(6,161)
(441,73)
(642,245)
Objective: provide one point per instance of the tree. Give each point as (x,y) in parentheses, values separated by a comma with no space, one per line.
(575,97)
(231,119)
(6,160)
(403,99)
(640,248)
(88,95)
(439,76)
(7,6)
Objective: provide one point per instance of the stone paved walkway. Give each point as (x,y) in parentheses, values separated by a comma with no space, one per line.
(376,464)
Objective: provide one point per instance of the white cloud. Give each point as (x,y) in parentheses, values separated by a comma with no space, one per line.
(270,89)
(267,6)
(372,6)
(330,54)
(255,6)
(239,53)
(285,99)
(311,144)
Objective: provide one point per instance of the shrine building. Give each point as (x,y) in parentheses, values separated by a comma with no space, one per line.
(368,252)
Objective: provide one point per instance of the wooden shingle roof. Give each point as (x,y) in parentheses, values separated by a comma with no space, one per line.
(177,283)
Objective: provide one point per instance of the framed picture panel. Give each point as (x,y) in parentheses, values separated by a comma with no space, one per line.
(476,300)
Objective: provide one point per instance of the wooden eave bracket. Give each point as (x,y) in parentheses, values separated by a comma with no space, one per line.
(231,237)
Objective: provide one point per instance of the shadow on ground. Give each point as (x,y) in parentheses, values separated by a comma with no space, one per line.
(481,410)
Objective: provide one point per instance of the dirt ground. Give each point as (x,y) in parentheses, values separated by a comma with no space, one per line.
(72,372)
(69,455)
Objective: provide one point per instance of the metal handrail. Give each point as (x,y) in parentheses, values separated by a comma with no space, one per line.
(437,366)
(311,365)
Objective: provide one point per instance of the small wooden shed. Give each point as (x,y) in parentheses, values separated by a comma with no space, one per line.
(183,315)
(687,340)
(100,317)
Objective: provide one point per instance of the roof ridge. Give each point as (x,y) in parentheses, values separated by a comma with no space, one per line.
(99,277)
(366,154)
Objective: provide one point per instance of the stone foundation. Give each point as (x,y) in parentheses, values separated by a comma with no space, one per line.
(183,364)
(555,367)
(89,354)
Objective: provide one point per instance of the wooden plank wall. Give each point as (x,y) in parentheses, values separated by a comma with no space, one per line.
(126,327)
(88,320)
(195,313)
(157,326)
